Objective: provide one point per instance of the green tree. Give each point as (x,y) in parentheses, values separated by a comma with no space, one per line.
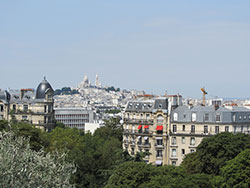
(4,125)
(130,175)
(95,155)
(38,138)
(214,152)
(23,167)
(236,173)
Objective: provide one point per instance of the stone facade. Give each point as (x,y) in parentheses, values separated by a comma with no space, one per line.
(169,130)
(35,107)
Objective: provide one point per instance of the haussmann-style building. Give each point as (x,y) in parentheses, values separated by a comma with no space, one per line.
(29,105)
(169,130)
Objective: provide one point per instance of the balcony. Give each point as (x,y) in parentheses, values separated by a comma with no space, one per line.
(159,146)
(139,144)
(147,145)
(138,121)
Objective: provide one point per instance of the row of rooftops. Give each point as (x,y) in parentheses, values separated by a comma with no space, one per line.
(187,113)
(26,95)
(147,105)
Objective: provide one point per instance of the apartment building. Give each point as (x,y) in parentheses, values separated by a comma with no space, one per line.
(189,125)
(169,130)
(146,125)
(29,105)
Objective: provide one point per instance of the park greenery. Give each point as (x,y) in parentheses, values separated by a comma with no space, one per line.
(98,160)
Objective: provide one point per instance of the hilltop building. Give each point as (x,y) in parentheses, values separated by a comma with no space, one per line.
(29,105)
(169,130)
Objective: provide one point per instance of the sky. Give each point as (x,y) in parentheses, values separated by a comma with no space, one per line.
(153,45)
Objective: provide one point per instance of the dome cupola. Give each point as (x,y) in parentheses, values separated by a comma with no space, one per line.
(42,89)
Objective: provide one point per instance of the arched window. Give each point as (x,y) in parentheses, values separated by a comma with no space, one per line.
(160,120)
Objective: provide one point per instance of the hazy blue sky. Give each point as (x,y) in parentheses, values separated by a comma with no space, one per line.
(154,45)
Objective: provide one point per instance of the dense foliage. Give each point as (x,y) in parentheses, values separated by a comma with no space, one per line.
(141,175)
(20,166)
(214,152)
(222,160)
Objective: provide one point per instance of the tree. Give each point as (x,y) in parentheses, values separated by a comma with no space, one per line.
(95,155)
(38,138)
(214,152)
(130,174)
(4,125)
(142,175)
(236,173)
(23,167)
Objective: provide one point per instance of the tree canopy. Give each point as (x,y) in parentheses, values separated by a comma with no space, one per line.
(23,167)
(214,152)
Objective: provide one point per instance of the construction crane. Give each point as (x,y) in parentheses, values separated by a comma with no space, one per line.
(204,93)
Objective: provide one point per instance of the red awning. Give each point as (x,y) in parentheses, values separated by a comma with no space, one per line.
(146,126)
(139,127)
(159,128)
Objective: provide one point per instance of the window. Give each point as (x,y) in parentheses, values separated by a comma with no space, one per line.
(1,108)
(234,117)
(183,127)
(192,151)
(174,141)
(217,129)
(193,116)
(174,163)
(239,117)
(159,142)
(147,117)
(206,117)
(205,129)
(245,117)
(24,117)
(14,107)
(226,128)
(217,117)
(49,108)
(158,153)
(184,116)
(45,108)
(192,128)
(133,128)
(139,140)
(25,107)
(174,128)
(146,140)
(175,116)
(133,151)
(160,120)
(234,129)
(183,151)
(183,140)
(192,141)
(173,152)
(241,129)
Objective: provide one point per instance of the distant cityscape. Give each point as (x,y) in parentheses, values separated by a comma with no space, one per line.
(167,126)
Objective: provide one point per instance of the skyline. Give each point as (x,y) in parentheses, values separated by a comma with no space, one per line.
(160,46)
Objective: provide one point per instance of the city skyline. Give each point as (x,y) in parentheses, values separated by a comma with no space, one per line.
(161,46)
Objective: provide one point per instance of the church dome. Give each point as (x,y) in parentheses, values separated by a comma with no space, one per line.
(41,90)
